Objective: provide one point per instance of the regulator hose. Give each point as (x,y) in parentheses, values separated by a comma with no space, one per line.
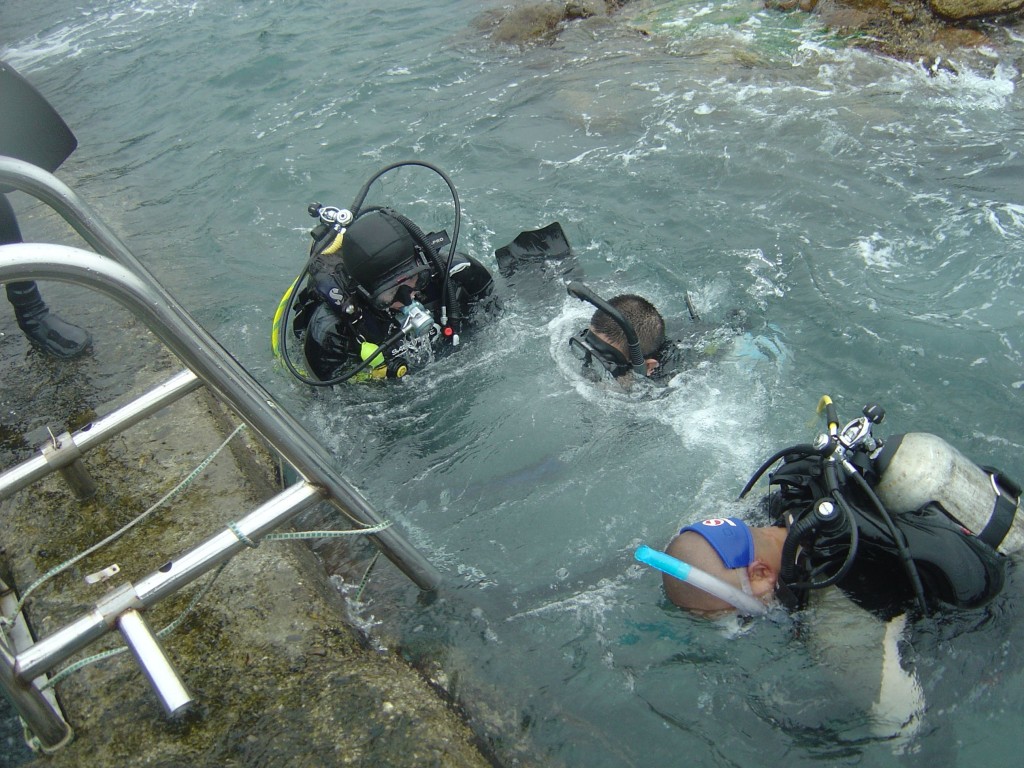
(357,204)
(328,243)
(803,450)
(794,538)
(390,342)
(448,292)
(908,562)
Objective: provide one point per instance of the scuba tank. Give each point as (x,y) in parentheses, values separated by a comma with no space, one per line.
(918,468)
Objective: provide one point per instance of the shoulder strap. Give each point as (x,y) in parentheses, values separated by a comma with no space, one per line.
(1003,511)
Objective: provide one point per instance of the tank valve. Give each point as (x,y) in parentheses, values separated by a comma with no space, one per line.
(330,215)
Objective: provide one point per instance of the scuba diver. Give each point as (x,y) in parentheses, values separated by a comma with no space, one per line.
(32,131)
(904,520)
(904,523)
(626,337)
(379,297)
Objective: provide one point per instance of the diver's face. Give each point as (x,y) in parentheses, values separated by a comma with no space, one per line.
(596,352)
(650,364)
(402,294)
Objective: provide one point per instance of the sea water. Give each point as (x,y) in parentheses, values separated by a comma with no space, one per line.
(866,215)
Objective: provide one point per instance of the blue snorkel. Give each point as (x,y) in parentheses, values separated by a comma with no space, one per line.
(636,357)
(744,603)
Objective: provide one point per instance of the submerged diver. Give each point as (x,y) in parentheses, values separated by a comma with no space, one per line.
(909,519)
(380,296)
(32,131)
(615,326)
(894,524)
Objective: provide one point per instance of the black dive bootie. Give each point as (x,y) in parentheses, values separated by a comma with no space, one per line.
(43,328)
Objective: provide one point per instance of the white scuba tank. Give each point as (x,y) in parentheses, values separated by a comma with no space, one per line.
(917,468)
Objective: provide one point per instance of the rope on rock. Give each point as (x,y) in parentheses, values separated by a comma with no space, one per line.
(124,529)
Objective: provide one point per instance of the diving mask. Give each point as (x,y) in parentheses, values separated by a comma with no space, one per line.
(588,347)
(414,279)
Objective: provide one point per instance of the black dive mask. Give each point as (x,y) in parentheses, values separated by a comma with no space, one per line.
(400,288)
(589,348)
(610,358)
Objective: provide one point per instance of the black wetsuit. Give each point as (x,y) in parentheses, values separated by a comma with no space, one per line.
(704,343)
(332,341)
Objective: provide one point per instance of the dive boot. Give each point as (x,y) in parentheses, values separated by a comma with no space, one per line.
(43,328)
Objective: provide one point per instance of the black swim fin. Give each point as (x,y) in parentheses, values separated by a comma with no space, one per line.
(547,244)
(30,129)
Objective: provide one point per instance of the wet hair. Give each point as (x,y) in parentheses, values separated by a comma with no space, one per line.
(645,318)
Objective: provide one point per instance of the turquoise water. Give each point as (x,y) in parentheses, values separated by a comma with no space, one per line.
(869,217)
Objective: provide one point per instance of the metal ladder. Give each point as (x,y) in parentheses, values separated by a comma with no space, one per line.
(114,271)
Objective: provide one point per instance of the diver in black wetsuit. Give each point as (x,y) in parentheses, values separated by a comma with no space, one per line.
(894,524)
(32,131)
(379,297)
(907,520)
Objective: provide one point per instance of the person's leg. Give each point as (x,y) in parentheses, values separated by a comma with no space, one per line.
(43,328)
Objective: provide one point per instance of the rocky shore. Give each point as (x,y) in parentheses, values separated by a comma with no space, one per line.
(926,31)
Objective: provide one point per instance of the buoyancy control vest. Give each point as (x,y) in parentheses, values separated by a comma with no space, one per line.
(907,518)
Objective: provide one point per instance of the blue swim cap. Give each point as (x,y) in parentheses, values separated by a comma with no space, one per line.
(730,537)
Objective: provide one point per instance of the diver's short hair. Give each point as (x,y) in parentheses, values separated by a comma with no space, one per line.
(644,317)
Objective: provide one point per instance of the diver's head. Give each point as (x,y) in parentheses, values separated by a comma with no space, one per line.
(732,553)
(605,342)
(380,255)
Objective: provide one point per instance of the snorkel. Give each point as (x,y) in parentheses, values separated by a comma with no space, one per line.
(744,603)
(636,357)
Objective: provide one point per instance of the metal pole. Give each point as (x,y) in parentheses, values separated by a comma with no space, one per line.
(154,662)
(221,372)
(92,434)
(61,645)
(47,725)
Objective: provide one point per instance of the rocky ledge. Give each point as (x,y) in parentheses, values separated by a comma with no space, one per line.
(926,31)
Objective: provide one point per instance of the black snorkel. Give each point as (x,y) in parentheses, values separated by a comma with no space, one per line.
(636,357)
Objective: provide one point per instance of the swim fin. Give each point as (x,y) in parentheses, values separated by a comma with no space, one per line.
(30,129)
(547,244)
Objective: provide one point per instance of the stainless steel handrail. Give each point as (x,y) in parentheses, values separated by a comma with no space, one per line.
(115,272)
(96,432)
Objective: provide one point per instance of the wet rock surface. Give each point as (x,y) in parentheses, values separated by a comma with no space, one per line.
(928,31)
(911,30)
